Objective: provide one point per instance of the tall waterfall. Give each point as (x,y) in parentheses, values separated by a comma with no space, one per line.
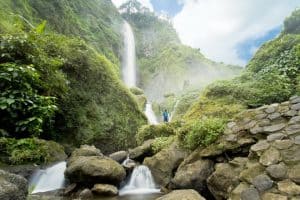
(50,179)
(150,114)
(141,182)
(129,66)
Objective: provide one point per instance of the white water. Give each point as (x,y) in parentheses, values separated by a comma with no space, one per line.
(49,179)
(174,109)
(141,182)
(150,114)
(129,66)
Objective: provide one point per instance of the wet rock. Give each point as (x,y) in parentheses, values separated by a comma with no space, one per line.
(282,144)
(272,196)
(94,169)
(262,145)
(290,113)
(295,120)
(295,100)
(236,193)
(105,190)
(193,175)
(293,129)
(274,128)
(119,156)
(182,195)
(250,194)
(289,187)
(275,136)
(224,179)
(86,194)
(277,172)
(291,155)
(252,170)
(12,186)
(86,150)
(69,189)
(295,106)
(270,156)
(297,139)
(262,182)
(140,152)
(294,173)
(274,116)
(165,162)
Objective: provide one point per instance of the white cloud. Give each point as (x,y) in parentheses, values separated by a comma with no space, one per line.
(218,26)
(145,3)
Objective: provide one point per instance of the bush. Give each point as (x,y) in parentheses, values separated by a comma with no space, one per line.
(161,143)
(136,91)
(153,131)
(30,150)
(23,111)
(201,133)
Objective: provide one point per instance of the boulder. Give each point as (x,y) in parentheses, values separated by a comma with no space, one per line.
(225,178)
(272,196)
(289,187)
(140,152)
(277,172)
(193,175)
(282,144)
(12,186)
(86,194)
(119,156)
(236,193)
(94,169)
(262,145)
(250,194)
(182,195)
(252,170)
(270,156)
(294,173)
(291,155)
(274,128)
(105,190)
(86,150)
(163,164)
(262,182)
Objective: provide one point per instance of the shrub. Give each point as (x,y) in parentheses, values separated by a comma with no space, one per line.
(153,131)
(201,133)
(161,143)
(30,150)
(136,91)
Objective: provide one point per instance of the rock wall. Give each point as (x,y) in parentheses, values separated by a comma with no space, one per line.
(258,157)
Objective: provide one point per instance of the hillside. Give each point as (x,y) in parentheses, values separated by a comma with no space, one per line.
(71,81)
(165,64)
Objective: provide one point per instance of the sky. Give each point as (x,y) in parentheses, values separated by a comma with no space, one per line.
(228,31)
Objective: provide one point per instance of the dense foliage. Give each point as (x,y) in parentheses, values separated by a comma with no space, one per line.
(30,150)
(200,132)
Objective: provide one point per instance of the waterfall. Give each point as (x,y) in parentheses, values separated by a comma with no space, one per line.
(51,178)
(150,114)
(141,182)
(129,67)
(174,109)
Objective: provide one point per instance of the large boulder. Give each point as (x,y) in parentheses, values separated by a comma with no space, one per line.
(119,156)
(140,152)
(225,178)
(88,165)
(12,187)
(182,195)
(163,164)
(105,190)
(193,175)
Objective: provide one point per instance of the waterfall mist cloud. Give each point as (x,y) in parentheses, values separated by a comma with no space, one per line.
(217,27)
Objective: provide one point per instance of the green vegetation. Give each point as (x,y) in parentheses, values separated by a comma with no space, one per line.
(30,150)
(61,88)
(95,21)
(200,132)
(154,131)
(161,143)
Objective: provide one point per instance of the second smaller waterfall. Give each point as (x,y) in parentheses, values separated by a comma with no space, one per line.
(141,182)
(150,114)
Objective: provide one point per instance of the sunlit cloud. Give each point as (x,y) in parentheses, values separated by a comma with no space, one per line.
(217,27)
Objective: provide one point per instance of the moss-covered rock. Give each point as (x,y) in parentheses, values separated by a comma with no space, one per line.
(30,150)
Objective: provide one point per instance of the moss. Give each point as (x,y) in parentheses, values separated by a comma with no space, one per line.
(153,131)
(31,150)
(161,143)
(136,91)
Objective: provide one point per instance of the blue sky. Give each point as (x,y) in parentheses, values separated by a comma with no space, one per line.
(228,31)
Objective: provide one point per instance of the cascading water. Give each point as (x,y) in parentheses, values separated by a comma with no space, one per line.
(49,179)
(141,182)
(174,109)
(129,67)
(150,114)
